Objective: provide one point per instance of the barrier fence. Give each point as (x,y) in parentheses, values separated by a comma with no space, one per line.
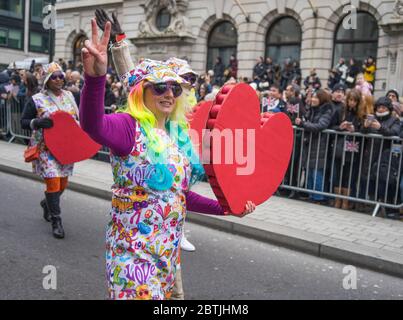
(364,168)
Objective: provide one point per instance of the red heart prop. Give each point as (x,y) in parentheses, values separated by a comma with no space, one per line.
(237,109)
(67,142)
(198,122)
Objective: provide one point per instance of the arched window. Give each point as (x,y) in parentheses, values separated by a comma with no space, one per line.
(358,43)
(283,40)
(163,19)
(223,41)
(77,46)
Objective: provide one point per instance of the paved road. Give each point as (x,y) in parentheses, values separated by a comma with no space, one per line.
(224,266)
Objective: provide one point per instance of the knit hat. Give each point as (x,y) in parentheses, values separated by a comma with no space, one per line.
(384,101)
(394,92)
(340,87)
(154,71)
(50,69)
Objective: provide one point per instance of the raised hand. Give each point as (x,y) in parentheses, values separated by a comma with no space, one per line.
(102,18)
(95,52)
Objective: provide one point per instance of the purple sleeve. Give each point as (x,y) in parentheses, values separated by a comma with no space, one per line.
(200,204)
(115,131)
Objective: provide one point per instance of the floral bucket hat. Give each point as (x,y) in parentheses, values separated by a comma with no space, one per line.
(50,69)
(179,66)
(154,71)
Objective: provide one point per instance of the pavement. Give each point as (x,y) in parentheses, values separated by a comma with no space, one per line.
(225,267)
(345,236)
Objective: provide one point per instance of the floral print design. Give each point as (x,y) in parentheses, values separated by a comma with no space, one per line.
(47,166)
(143,237)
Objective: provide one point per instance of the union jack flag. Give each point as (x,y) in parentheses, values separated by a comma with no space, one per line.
(352,146)
(293,108)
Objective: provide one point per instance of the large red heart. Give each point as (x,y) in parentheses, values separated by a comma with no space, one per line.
(198,122)
(67,142)
(237,108)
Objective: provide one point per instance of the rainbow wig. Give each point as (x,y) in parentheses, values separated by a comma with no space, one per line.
(177,127)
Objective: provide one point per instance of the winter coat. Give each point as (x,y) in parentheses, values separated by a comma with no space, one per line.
(317,120)
(390,126)
(346,146)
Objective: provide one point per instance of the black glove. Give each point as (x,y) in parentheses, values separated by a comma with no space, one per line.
(44,123)
(102,18)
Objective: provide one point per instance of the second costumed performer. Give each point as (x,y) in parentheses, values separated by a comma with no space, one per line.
(153,169)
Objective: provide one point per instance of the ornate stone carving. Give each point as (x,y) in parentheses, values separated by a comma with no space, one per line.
(179,25)
(399,8)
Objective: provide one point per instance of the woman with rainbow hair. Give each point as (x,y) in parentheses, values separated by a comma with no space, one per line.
(154,166)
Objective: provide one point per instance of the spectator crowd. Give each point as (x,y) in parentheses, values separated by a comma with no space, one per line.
(345,104)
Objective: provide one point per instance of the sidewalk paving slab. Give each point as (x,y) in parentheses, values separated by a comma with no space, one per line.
(344,236)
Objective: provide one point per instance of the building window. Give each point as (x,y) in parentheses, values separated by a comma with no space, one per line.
(163,19)
(37,10)
(3,37)
(283,40)
(11,38)
(359,43)
(222,42)
(12,8)
(39,42)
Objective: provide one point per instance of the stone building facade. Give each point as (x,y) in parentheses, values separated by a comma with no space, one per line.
(315,32)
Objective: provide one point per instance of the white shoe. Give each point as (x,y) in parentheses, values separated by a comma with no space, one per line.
(186,245)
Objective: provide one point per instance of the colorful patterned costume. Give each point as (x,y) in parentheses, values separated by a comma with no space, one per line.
(146,228)
(46,104)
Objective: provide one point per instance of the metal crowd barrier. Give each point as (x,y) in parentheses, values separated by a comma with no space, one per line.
(10,114)
(367,166)
(15,109)
(4,121)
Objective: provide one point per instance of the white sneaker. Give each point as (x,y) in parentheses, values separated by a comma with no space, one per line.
(186,245)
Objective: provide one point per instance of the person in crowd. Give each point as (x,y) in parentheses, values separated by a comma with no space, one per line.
(317,119)
(334,79)
(110,98)
(296,74)
(363,86)
(348,149)
(4,84)
(36,117)
(70,65)
(377,154)
(233,67)
(259,71)
(219,69)
(338,105)
(369,69)
(202,93)
(312,81)
(352,73)
(393,95)
(276,103)
(120,93)
(154,103)
(74,84)
(31,84)
(286,74)
(63,64)
(269,73)
(342,70)
(295,108)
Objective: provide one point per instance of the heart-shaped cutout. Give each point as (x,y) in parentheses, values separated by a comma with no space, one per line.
(67,142)
(198,122)
(261,148)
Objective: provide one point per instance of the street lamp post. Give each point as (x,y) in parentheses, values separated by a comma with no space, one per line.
(52,33)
